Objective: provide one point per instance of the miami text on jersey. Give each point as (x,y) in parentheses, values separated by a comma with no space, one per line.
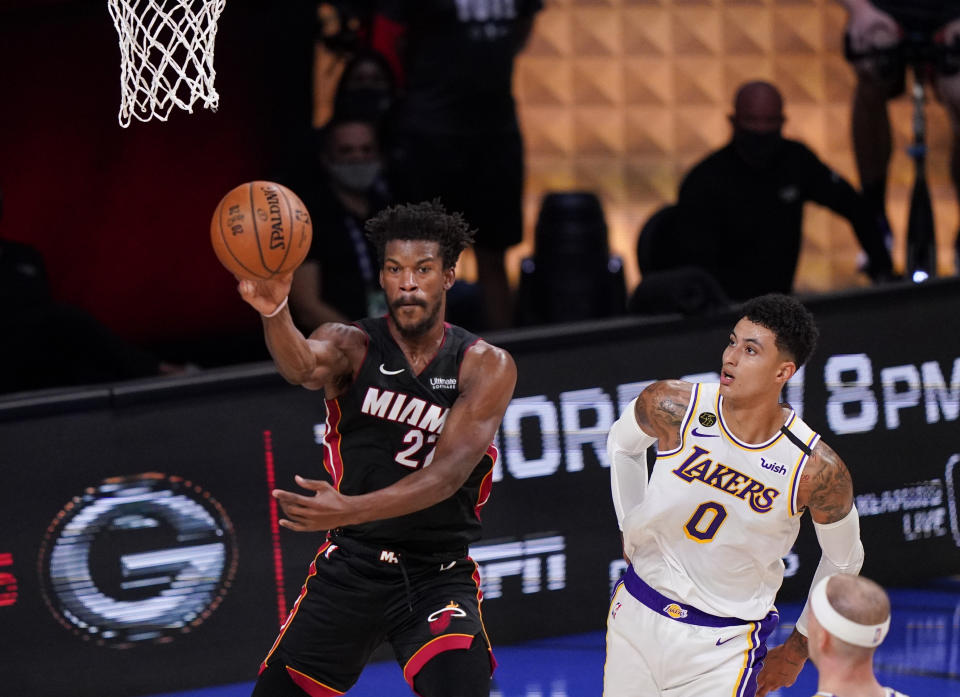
(726,479)
(402,408)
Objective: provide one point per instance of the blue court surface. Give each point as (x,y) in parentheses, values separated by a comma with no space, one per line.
(920,657)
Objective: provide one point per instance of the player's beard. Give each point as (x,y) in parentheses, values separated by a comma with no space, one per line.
(415,331)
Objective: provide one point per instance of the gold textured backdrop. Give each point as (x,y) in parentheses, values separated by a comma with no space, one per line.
(622,96)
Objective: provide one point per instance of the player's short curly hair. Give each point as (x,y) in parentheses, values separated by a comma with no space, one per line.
(429,221)
(791,323)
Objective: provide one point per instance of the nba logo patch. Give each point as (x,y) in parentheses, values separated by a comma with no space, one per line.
(675,611)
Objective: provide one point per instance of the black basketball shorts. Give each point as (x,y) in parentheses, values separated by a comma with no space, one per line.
(357,596)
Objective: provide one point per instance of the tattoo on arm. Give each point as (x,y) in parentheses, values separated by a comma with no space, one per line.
(671,412)
(661,407)
(831,488)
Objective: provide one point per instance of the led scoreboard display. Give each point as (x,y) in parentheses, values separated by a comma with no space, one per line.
(139,548)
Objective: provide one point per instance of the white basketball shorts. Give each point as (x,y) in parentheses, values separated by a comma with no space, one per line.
(657,646)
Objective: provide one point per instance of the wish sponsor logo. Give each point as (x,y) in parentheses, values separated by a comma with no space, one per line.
(772,466)
(443,383)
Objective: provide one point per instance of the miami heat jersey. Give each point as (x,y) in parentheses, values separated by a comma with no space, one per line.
(386,426)
(719,514)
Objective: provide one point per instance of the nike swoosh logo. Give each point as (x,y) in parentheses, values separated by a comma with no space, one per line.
(703,435)
(726,640)
(447,567)
(383,369)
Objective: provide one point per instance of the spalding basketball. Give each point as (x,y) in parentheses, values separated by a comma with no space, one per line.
(261,229)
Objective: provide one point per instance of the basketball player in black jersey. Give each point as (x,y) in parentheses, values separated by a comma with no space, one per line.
(413,404)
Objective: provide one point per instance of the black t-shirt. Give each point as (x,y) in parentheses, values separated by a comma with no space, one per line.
(744,225)
(385,427)
(348,262)
(459,62)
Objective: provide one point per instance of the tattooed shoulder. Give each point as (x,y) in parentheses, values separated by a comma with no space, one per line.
(826,487)
(662,405)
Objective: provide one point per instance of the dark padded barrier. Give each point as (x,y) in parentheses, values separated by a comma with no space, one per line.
(137,553)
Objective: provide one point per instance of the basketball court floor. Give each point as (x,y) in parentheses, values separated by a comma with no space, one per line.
(920,657)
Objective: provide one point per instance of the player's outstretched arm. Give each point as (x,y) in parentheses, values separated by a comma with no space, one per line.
(826,489)
(314,363)
(487,378)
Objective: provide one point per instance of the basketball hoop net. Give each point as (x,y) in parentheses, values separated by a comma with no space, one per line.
(166,55)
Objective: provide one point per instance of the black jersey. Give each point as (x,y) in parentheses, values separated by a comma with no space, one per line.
(386,426)
(459,59)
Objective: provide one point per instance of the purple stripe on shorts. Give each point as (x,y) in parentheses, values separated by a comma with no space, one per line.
(663,605)
(747,687)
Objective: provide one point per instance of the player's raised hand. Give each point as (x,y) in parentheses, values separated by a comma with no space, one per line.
(324,510)
(265,296)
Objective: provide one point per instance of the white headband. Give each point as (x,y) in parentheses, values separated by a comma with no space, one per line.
(869,635)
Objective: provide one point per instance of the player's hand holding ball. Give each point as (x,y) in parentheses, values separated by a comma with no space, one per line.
(266,297)
(261,232)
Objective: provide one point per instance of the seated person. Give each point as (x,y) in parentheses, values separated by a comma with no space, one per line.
(740,210)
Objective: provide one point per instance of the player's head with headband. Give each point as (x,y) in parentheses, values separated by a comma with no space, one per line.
(850,618)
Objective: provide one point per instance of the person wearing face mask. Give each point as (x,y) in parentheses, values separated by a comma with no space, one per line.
(749,195)
(366,90)
(338,280)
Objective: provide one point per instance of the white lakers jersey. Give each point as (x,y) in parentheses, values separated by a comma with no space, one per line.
(719,514)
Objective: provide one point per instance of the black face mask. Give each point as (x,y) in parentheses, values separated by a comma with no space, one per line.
(757,148)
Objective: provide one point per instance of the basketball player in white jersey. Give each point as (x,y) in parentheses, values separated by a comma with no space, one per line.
(850,616)
(705,537)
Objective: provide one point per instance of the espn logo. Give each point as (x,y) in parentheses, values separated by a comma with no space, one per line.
(538,561)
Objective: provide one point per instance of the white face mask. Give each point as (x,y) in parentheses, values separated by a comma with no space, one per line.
(355,176)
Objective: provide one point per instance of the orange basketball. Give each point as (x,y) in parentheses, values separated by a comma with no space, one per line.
(261,229)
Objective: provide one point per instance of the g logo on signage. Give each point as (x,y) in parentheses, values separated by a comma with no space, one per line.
(143,558)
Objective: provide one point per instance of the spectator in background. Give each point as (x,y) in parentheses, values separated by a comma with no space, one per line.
(880,25)
(740,210)
(850,618)
(338,280)
(47,344)
(457,135)
(366,90)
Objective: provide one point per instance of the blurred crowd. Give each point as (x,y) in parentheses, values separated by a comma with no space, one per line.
(424,109)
